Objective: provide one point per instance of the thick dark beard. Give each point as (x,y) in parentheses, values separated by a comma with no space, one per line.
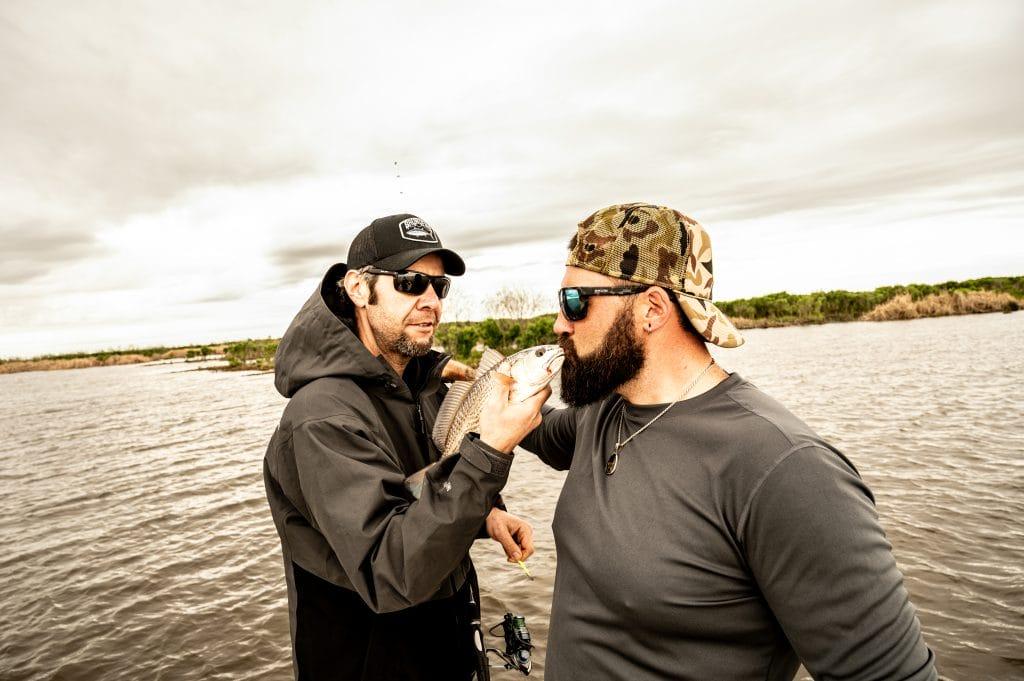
(586,380)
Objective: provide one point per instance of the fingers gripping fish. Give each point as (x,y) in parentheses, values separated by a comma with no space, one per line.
(529,370)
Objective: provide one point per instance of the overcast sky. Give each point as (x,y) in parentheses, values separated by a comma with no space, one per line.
(178,172)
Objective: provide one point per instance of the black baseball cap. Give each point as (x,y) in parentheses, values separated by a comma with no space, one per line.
(397,241)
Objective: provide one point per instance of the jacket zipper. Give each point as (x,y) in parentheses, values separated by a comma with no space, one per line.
(421,426)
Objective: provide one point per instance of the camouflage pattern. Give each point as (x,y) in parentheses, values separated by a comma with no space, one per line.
(658,246)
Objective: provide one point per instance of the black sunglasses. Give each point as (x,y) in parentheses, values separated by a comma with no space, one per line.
(415,283)
(573,300)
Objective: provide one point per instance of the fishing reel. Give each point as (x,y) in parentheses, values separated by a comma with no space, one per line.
(517,643)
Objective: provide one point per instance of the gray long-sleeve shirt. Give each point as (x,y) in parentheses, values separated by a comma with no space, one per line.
(731,543)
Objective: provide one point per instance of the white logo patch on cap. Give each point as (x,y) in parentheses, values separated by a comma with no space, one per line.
(414,229)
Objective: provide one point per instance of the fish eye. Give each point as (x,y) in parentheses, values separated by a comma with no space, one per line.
(539,353)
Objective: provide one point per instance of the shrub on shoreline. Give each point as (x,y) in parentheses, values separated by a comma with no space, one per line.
(251,354)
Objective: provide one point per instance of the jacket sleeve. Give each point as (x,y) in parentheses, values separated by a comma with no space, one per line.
(821,559)
(554,440)
(395,552)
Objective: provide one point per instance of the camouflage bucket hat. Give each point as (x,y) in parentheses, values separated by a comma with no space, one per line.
(657,246)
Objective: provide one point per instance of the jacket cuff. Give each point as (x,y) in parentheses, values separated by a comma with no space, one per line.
(485,457)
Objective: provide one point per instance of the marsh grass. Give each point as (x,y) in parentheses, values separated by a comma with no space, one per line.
(942,305)
(17,365)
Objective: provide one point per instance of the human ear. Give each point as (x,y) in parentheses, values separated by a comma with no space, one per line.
(656,308)
(357,289)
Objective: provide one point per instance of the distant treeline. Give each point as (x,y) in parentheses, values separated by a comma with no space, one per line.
(83,360)
(783,309)
(155,353)
(988,294)
(517,328)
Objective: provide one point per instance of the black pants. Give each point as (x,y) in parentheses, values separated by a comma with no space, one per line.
(338,638)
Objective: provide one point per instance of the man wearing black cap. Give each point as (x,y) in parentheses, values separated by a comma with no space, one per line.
(378,582)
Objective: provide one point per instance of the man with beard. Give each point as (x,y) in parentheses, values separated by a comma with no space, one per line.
(379,583)
(703,532)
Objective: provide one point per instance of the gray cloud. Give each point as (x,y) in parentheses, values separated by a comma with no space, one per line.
(797,108)
(225,296)
(305,261)
(32,248)
(107,114)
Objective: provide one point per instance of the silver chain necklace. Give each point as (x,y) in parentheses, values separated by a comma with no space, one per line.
(613,462)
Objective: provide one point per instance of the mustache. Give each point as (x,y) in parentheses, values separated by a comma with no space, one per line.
(568,347)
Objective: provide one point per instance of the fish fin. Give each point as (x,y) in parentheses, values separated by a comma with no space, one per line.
(504,379)
(452,401)
(488,361)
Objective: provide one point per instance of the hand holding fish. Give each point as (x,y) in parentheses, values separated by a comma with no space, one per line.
(513,533)
(511,389)
(504,423)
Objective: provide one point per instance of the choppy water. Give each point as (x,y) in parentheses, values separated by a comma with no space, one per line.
(135,542)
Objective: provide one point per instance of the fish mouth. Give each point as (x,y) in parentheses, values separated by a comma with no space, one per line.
(554,363)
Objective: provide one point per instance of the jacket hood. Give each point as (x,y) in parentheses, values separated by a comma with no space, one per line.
(320,342)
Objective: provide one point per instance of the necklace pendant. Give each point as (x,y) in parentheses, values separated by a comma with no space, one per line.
(612,464)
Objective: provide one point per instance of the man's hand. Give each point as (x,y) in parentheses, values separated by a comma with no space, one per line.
(514,534)
(504,424)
